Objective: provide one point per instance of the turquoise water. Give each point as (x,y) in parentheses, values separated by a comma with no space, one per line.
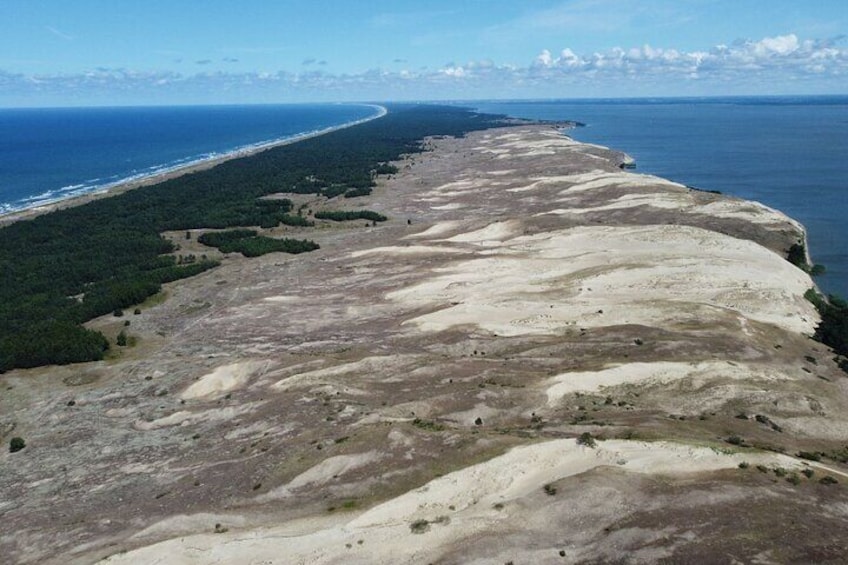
(786,152)
(48,154)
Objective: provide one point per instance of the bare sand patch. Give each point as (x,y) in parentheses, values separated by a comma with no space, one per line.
(602,276)
(656,373)
(366,366)
(455,507)
(749,211)
(186,417)
(664,200)
(405,250)
(224,379)
(327,470)
(493,232)
(281,298)
(438,229)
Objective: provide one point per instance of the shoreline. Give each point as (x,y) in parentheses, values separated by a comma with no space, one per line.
(132,183)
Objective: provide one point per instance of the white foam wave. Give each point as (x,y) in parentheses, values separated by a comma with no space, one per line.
(96,186)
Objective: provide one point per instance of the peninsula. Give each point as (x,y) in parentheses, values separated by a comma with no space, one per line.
(539,357)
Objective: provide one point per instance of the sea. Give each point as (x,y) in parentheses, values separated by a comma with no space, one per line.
(787,152)
(55,153)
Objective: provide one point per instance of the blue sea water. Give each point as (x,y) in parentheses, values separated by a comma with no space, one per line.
(49,154)
(787,152)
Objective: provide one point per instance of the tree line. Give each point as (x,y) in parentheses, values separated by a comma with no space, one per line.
(60,270)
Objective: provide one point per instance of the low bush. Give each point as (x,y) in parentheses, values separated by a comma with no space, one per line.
(16,444)
(586,439)
(419,526)
(347,215)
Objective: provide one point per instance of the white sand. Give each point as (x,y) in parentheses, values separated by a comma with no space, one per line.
(464,498)
(328,470)
(595,180)
(282,298)
(747,210)
(186,417)
(657,373)
(439,229)
(450,206)
(601,276)
(496,231)
(402,250)
(224,379)
(337,374)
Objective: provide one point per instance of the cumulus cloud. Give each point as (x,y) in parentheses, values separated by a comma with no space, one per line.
(779,64)
(784,55)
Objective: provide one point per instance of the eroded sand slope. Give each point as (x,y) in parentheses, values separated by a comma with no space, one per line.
(413,392)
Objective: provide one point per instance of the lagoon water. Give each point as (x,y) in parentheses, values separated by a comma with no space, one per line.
(786,152)
(48,154)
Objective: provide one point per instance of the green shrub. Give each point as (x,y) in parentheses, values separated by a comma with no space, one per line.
(347,215)
(797,255)
(833,329)
(428,425)
(249,244)
(586,439)
(16,444)
(419,526)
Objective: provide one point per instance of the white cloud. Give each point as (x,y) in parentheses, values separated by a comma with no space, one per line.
(773,56)
(58,33)
(545,59)
(780,45)
(780,64)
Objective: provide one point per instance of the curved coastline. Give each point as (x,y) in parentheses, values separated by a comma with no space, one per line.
(75,195)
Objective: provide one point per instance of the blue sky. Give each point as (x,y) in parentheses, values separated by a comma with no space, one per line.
(96,52)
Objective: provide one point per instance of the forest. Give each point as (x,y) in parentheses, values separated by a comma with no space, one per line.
(62,269)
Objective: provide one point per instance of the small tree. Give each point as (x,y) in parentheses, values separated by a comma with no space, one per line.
(586,439)
(121,339)
(16,444)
